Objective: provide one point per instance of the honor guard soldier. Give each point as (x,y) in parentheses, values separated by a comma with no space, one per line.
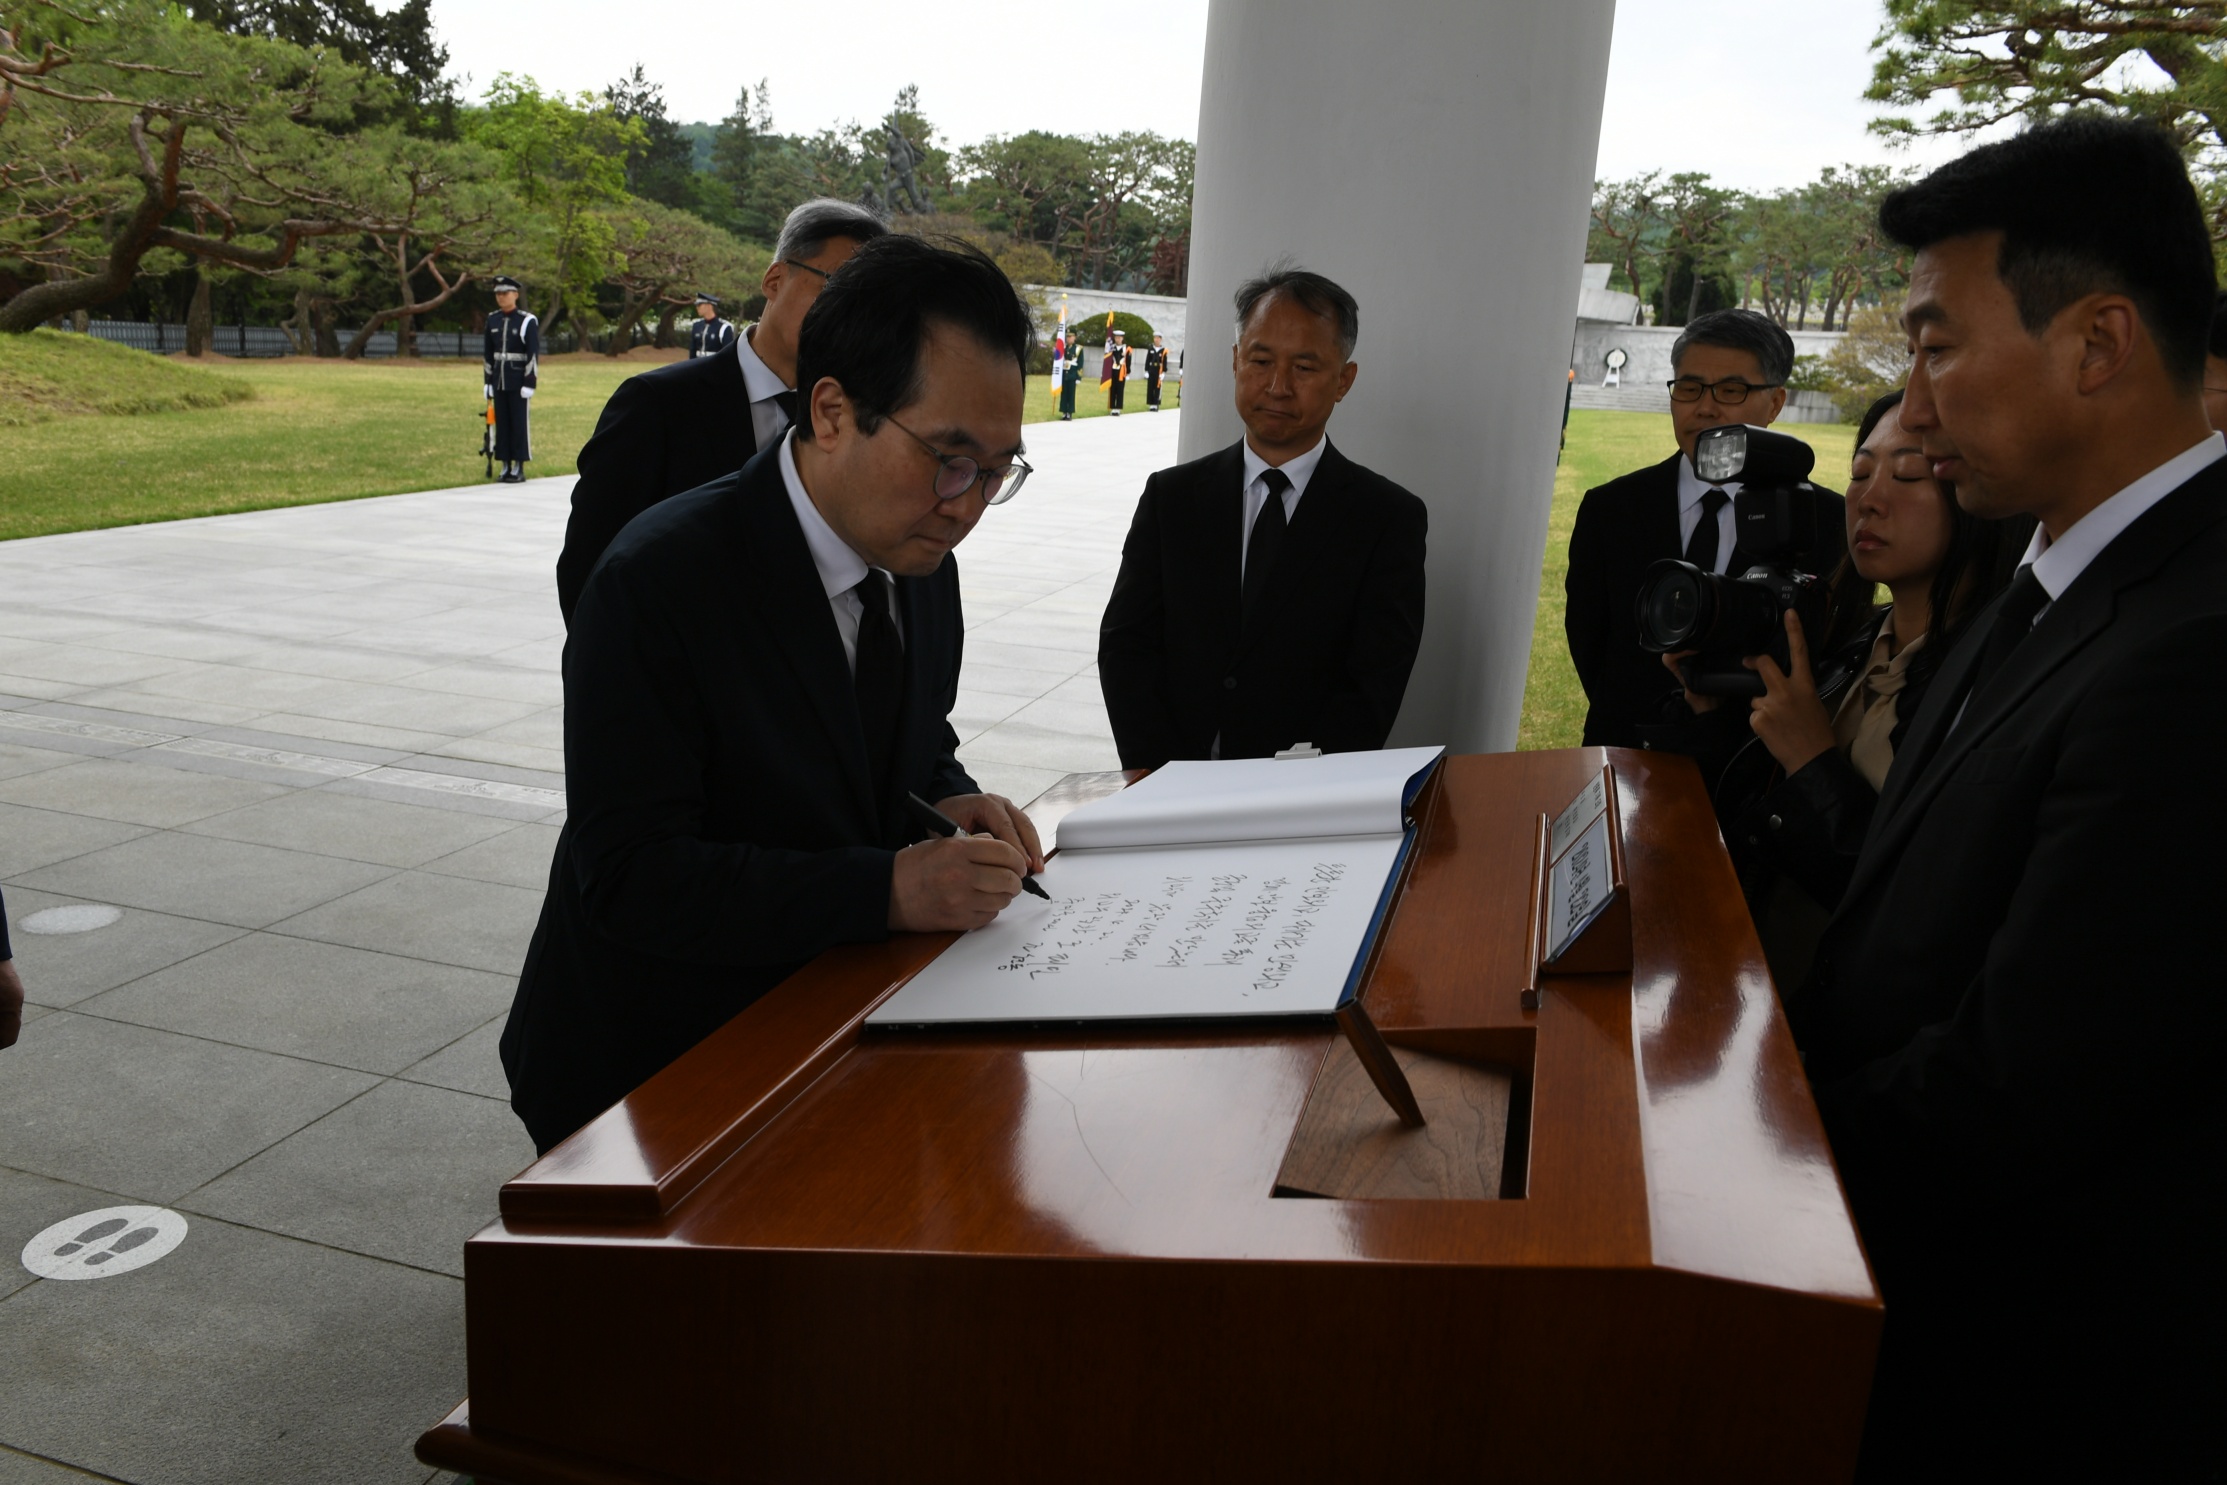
(1155,367)
(1113,372)
(710,334)
(1070,374)
(507,379)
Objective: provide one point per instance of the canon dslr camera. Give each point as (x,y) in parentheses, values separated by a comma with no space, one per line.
(1726,619)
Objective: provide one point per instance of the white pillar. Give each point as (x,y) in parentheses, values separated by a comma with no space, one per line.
(1436,158)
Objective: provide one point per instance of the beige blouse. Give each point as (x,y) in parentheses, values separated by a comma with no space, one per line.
(1866,718)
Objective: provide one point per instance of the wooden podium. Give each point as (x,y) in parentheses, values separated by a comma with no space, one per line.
(801,1253)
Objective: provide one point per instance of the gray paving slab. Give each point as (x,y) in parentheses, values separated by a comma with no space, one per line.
(202,877)
(31,838)
(29,1204)
(451,920)
(62,969)
(519,857)
(406,1173)
(470,1064)
(149,1113)
(351,827)
(241,1357)
(16,761)
(17,1468)
(326,1002)
(134,792)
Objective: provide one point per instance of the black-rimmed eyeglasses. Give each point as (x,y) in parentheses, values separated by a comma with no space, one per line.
(1731,391)
(958,474)
(808,268)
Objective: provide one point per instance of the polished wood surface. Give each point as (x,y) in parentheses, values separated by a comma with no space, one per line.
(807,1251)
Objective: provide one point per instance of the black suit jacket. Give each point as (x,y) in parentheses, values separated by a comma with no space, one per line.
(1326,660)
(1623,527)
(721,829)
(2015,1031)
(662,432)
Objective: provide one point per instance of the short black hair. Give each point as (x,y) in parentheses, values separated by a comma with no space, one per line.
(2217,345)
(1740,330)
(868,325)
(2086,204)
(1313,293)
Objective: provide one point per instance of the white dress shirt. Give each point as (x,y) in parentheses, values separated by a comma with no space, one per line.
(763,384)
(2057,563)
(840,568)
(1298,471)
(1690,490)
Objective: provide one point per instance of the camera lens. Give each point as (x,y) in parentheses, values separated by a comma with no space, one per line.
(1677,603)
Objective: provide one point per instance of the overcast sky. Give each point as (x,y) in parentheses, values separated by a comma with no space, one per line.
(1760,105)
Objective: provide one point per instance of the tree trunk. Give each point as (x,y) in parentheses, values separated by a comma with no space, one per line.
(631,309)
(300,337)
(199,319)
(328,328)
(1804,322)
(405,324)
(665,317)
(1693,293)
(81,320)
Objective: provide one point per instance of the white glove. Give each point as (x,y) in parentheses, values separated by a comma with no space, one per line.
(526,392)
(487,392)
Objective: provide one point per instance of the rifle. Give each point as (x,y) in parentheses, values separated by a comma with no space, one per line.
(487,437)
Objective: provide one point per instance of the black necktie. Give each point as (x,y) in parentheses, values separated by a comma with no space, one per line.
(2024,598)
(786,401)
(878,678)
(1701,548)
(1267,539)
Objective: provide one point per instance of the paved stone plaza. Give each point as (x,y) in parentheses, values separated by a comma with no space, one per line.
(314,757)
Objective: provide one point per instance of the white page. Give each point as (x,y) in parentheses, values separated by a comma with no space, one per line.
(1238,799)
(1250,929)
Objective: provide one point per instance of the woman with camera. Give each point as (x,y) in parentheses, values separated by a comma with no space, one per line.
(1796,794)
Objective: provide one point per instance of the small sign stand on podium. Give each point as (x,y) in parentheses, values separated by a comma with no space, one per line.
(1581,902)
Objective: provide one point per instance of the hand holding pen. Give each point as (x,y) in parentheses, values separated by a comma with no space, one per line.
(935,820)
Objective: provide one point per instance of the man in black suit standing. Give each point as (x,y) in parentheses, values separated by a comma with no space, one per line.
(2015,1023)
(1729,366)
(758,673)
(687,424)
(1270,595)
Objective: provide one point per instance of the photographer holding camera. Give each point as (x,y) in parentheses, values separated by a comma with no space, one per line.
(1729,368)
(1796,771)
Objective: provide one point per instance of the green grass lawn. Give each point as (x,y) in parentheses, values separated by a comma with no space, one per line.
(1601,446)
(310,431)
(224,435)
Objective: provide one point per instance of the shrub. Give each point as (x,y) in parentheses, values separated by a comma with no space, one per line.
(1871,360)
(1092,328)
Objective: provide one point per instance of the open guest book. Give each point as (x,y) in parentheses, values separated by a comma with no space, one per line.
(1250,887)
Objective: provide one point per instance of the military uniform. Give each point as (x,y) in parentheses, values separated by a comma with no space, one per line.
(511,366)
(1113,374)
(709,337)
(1070,375)
(1155,367)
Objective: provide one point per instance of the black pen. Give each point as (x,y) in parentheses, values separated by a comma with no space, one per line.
(942,824)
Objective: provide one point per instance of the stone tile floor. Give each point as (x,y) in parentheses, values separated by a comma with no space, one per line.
(315,756)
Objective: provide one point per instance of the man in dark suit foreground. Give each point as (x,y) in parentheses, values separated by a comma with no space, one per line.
(687,424)
(1729,366)
(1271,594)
(758,673)
(2015,1025)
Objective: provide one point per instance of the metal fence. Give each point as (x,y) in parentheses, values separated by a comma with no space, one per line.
(255,341)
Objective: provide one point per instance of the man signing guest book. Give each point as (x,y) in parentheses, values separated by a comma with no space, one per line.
(1270,594)
(758,674)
